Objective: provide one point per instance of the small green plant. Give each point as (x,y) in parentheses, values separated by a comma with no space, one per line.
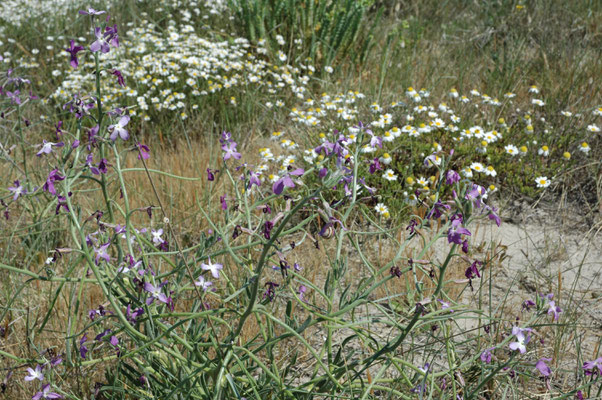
(323,31)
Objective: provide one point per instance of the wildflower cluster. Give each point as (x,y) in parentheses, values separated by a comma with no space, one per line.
(239,309)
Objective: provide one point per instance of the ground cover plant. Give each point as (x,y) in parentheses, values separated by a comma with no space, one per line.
(245,200)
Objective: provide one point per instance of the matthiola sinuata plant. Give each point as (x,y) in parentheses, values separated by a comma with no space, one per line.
(240,313)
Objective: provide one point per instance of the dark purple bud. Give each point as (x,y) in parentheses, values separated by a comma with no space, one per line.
(102,334)
(267,229)
(527,304)
(210,174)
(73,50)
(144,151)
(120,80)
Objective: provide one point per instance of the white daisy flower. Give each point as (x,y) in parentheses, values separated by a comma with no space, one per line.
(390,175)
(542,182)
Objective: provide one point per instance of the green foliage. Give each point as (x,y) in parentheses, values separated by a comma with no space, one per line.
(329,30)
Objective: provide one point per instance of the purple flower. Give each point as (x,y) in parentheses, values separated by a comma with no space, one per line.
(92,314)
(155,293)
(102,334)
(16,79)
(270,292)
(492,215)
(521,339)
(211,174)
(454,235)
(35,374)
(79,106)
(17,190)
(53,176)
(267,229)
(56,361)
(92,133)
(118,129)
(253,179)
(552,307)
(91,11)
(156,234)
(46,394)
(62,203)
(475,194)
(590,365)
(286,181)
(375,166)
(83,350)
(438,210)
(486,355)
(230,151)
(225,137)
(47,147)
(328,227)
(57,130)
(104,39)
(543,367)
(111,35)
(101,252)
(73,50)
(302,290)
(222,200)
(213,267)
(133,315)
(445,305)
(527,304)
(144,151)
(452,177)
(412,226)
(202,283)
(375,141)
(102,167)
(100,43)
(473,271)
(432,160)
(120,80)
(14,96)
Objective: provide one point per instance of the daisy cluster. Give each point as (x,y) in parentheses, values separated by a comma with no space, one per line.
(412,128)
(170,71)
(22,12)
